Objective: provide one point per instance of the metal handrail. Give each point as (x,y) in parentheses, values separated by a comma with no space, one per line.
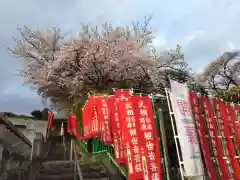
(77,167)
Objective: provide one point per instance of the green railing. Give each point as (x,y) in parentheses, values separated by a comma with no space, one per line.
(99,149)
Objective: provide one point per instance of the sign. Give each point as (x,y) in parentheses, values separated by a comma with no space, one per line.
(103,111)
(203,136)
(214,137)
(116,131)
(225,126)
(149,142)
(131,138)
(186,130)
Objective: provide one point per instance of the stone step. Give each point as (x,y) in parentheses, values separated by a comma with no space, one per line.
(56,177)
(94,175)
(69,171)
(47,171)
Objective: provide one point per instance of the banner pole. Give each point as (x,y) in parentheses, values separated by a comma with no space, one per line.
(157,124)
(164,142)
(174,133)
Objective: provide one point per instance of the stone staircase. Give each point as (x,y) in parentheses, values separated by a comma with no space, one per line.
(57,170)
(57,166)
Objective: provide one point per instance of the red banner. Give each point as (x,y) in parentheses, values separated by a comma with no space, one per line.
(103,114)
(215,138)
(202,132)
(131,138)
(50,121)
(221,114)
(149,142)
(237,108)
(73,125)
(121,93)
(69,126)
(116,131)
(95,121)
(86,116)
(234,118)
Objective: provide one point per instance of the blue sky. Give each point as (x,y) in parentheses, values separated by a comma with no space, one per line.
(204,28)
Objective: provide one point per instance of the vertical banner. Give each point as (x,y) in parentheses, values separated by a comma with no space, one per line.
(94,123)
(185,124)
(123,94)
(69,126)
(233,119)
(50,120)
(202,132)
(149,143)
(73,123)
(215,138)
(85,120)
(72,120)
(50,124)
(98,113)
(131,138)
(116,131)
(221,113)
(106,136)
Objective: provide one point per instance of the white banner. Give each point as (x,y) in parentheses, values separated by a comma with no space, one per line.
(186,130)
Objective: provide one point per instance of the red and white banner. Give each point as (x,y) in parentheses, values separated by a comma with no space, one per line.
(215,138)
(131,137)
(87,113)
(203,135)
(71,124)
(234,120)
(50,121)
(103,114)
(149,142)
(116,131)
(186,130)
(221,113)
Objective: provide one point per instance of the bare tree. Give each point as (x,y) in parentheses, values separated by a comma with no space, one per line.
(64,70)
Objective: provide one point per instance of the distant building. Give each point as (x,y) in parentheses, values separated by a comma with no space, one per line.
(29,126)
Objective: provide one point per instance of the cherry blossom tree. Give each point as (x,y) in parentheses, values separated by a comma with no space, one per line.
(222,73)
(64,69)
(222,77)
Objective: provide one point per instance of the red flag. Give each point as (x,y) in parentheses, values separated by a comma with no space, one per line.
(116,131)
(215,138)
(73,123)
(69,126)
(149,142)
(221,114)
(87,116)
(51,124)
(121,93)
(131,138)
(97,119)
(103,114)
(202,132)
(235,122)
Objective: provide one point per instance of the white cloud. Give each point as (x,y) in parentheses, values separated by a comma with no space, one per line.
(203,28)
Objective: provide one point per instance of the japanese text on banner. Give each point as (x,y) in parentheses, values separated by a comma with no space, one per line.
(131,138)
(186,130)
(148,138)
